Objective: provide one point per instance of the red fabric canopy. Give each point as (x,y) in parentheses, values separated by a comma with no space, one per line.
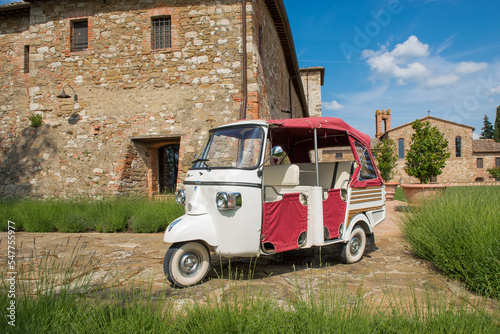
(294,136)
(327,123)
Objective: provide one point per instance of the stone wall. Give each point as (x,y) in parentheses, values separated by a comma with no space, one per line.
(271,89)
(312,79)
(131,99)
(458,169)
(13,79)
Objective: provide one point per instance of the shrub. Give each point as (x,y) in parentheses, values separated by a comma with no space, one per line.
(80,215)
(460,234)
(428,152)
(495,172)
(35,120)
(154,216)
(386,158)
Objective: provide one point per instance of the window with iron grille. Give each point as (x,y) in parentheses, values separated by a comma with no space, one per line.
(479,162)
(161,33)
(79,36)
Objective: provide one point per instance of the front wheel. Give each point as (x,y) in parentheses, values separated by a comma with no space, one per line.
(353,251)
(186,264)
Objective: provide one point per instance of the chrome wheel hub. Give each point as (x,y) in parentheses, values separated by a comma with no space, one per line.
(189,263)
(355,244)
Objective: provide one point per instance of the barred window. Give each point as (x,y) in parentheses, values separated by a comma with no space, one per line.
(479,162)
(161,33)
(79,36)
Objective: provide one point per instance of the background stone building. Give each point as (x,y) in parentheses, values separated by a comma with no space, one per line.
(469,158)
(146,79)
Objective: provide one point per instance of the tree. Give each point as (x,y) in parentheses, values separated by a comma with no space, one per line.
(386,158)
(428,152)
(496,132)
(487,129)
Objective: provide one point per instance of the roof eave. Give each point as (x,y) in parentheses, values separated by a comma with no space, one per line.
(278,13)
(15,8)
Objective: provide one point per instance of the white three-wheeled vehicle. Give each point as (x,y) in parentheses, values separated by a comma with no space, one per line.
(262,187)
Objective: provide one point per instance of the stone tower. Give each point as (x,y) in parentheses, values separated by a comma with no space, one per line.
(312,81)
(382,116)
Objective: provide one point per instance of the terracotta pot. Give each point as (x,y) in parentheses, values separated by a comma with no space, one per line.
(390,190)
(415,192)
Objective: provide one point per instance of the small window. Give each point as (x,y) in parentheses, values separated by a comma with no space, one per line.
(161,33)
(367,166)
(339,156)
(479,162)
(458,147)
(497,162)
(79,36)
(401,148)
(433,179)
(26,59)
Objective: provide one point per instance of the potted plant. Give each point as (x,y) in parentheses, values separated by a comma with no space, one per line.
(425,158)
(386,163)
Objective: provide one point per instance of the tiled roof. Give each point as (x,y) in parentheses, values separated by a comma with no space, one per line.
(485,146)
(14,8)
(426,118)
(374,142)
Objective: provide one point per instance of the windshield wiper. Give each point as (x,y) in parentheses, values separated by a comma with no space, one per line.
(204,162)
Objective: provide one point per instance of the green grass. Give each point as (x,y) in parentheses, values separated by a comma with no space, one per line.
(58,295)
(400,195)
(74,216)
(460,234)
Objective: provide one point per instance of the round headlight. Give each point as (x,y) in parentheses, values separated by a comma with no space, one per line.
(222,200)
(180,197)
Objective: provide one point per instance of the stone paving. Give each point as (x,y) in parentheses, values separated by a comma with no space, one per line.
(388,274)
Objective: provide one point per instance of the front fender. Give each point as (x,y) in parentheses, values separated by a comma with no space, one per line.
(191,227)
(362,220)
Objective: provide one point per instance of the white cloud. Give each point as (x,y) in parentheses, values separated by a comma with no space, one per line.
(334,105)
(411,48)
(442,80)
(495,90)
(468,67)
(393,64)
(411,62)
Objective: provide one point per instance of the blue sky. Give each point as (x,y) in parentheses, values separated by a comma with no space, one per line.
(409,56)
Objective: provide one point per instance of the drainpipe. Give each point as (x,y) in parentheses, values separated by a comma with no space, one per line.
(290,94)
(244,88)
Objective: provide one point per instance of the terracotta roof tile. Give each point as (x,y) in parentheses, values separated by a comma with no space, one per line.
(485,145)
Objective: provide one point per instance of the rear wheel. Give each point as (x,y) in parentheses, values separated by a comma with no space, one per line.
(353,251)
(187,263)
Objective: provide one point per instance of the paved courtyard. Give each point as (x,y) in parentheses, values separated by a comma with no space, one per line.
(389,273)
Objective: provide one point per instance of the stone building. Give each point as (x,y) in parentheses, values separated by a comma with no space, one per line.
(145,80)
(469,158)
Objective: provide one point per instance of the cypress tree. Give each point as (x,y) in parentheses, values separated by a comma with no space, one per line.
(496,132)
(487,129)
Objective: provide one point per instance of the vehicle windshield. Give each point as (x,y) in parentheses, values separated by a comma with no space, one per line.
(238,147)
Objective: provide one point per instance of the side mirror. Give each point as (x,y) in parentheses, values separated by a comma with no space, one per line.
(277,152)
